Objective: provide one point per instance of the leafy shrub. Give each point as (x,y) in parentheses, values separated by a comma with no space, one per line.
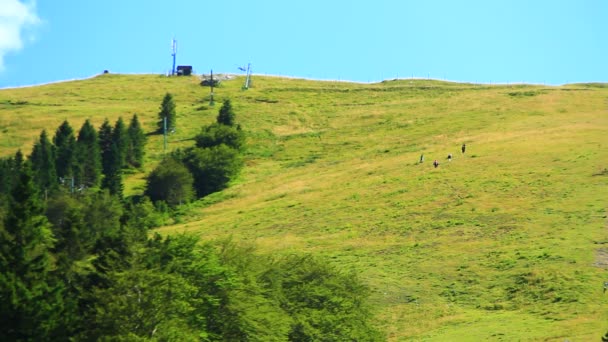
(217,134)
(213,167)
(170,182)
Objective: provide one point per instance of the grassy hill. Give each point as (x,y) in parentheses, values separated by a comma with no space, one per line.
(505,242)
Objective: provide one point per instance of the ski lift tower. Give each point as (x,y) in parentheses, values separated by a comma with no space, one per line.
(173,53)
(248,78)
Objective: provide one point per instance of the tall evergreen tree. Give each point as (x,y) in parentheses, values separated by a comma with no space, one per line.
(226,115)
(111,165)
(18,159)
(137,143)
(65,144)
(88,171)
(10,168)
(112,179)
(9,171)
(30,304)
(105,145)
(5,175)
(120,137)
(43,164)
(167,110)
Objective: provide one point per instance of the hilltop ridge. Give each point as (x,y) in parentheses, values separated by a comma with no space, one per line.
(499,243)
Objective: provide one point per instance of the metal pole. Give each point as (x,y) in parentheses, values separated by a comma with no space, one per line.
(174,46)
(211,102)
(247,79)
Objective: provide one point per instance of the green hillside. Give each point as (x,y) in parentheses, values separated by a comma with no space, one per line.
(507,241)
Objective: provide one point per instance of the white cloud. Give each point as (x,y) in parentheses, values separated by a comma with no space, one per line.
(16,18)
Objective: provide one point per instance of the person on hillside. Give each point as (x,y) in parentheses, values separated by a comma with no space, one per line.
(421,158)
(450,157)
(435,163)
(464,147)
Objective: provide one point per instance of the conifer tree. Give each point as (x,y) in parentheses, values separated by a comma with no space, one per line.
(18,161)
(111,165)
(136,144)
(9,172)
(120,137)
(43,164)
(6,165)
(65,145)
(112,179)
(88,158)
(226,114)
(167,110)
(105,145)
(30,303)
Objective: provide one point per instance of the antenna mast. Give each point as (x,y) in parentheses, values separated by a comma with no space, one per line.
(173,53)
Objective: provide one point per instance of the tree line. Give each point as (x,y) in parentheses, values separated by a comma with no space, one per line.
(92,159)
(84,266)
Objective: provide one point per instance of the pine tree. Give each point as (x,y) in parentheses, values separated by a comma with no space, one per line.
(6,164)
(111,165)
(167,110)
(30,303)
(43,164)
(137,143)
(9,172)
(105,145)
(88,171)
(226,115)
(120,137)
(65,144)
(112,179)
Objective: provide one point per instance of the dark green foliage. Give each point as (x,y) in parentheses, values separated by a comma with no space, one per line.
(226,115)
(605,337)
(170,182)
(111,162)
(167,110)
(30,301)
(9,172)
(144,305)
(102,215)
(87,271)
(216,134)
(120,137)
(6,181)
(88,157)
(65,150)
(66,215)
(105,139)
(256,312)
(136,144)
(325,304)
(213,167)
(112,179)
(142,215)
(42,161)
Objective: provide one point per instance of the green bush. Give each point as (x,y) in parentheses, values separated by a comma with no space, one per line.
(213,167)
(217,134)
(170,182)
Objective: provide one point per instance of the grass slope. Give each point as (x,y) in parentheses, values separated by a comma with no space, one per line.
(502,243)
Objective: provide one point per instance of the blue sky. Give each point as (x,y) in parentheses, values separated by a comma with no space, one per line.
(552,42)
